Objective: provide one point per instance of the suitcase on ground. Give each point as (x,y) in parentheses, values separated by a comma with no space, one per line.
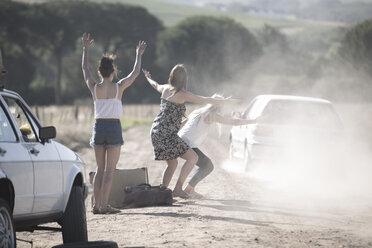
(145,195)
(123,178)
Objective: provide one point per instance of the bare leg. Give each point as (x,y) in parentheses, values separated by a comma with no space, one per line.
(113,154)
(100,153)
(169,171)
(205,168)
(191,158)
(189,189)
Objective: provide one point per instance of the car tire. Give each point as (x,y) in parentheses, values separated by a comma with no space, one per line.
(73,222)
(92,244)
(7,231)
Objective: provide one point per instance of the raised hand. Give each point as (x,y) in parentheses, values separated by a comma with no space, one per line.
(87,42)
(141,47)
(146,73)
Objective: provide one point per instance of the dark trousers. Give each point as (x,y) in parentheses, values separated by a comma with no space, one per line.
(205,168)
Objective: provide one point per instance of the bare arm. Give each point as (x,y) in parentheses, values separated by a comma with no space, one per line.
(87,42)
(158,87)
(128,80)
(190,97)
(231,121)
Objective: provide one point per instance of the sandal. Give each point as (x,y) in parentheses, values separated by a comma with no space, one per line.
(96,211)
(109,210)
(181,194)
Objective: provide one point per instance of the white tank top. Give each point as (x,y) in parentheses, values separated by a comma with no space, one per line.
(195,131)
(107,108)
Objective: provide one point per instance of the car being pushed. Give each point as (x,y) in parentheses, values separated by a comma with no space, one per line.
(41,180)
(288,126)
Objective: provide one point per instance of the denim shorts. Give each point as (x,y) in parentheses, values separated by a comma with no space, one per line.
(107,133)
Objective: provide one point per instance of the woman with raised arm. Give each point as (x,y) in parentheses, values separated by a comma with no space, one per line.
(167,144)
(107,132)
(195,130)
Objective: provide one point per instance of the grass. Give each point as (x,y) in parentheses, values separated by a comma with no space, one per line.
(129,122)
(74,128)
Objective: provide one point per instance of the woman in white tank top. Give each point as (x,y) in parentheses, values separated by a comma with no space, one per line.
(194,131)
(107,133)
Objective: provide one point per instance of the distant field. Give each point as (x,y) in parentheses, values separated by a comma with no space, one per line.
(171,14)
(316,35)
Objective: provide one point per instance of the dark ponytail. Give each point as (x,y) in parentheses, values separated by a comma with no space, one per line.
(106,65)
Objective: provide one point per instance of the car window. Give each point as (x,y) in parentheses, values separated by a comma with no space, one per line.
(246,112)
(254,109)
(7,133)
(24,121)
(301,113)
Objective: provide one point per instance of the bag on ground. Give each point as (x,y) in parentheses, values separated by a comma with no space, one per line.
(123,178)
(145,195)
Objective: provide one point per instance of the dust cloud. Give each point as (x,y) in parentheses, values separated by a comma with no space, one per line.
(328,173)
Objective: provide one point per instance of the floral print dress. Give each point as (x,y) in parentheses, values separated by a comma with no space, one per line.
(165,140)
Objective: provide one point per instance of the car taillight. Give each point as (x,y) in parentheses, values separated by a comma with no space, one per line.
(260,130)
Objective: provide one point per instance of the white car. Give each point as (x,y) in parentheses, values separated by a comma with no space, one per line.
(285,121)
(41,181)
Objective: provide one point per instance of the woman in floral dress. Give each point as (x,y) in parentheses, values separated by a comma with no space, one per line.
(167,144)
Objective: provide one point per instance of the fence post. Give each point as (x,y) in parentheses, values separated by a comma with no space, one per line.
(77,113)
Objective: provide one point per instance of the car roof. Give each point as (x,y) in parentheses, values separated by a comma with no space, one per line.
(9,92)
(268,98)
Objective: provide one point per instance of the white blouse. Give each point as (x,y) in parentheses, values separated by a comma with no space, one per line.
(195,131)
(107,108)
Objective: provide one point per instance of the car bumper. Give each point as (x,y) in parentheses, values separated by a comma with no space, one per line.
(259,151)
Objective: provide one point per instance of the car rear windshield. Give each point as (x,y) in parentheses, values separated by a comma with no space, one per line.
(303,113)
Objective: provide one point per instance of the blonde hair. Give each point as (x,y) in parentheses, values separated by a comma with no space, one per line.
(210,109)
(178,77)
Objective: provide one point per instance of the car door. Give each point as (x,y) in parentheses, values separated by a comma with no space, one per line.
(242,132)
(16,162)
(48,178)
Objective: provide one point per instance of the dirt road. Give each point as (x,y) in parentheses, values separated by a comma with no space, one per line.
(239,210)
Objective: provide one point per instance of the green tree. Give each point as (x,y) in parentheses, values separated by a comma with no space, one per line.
(43,41)
(118,32)
(356,46)
(18,57)
(213,48)
(52,32)
(271,37)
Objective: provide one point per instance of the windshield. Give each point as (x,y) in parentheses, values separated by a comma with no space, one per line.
(301,113)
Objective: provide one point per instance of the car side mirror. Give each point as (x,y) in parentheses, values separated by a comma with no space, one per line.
(236,114)
(46,133)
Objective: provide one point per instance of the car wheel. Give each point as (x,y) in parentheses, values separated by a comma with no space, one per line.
(92,244)
(7,232)
(73,222)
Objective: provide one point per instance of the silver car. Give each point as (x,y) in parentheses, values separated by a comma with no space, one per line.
(286,123)
(41,180)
